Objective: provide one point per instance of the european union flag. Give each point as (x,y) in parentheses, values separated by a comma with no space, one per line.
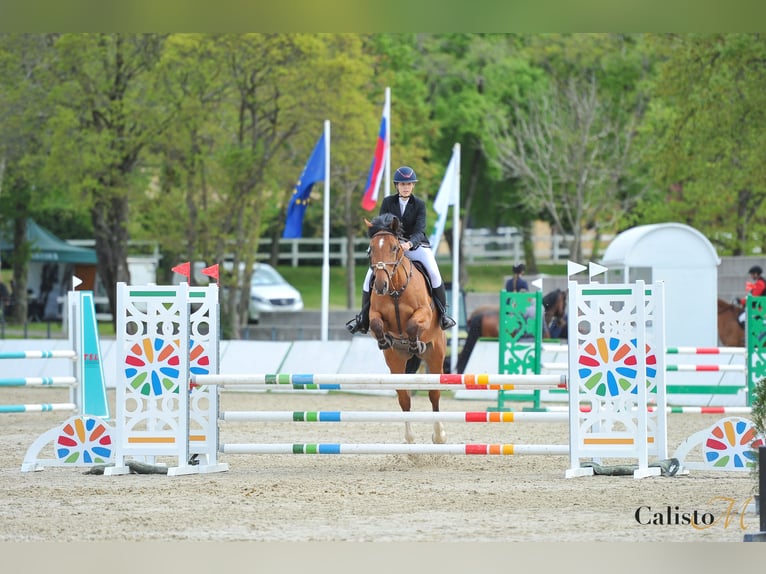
(312,173)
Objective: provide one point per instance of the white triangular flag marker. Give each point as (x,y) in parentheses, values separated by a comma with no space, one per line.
(595,269)
(574,268)
(75,282)
(538,283)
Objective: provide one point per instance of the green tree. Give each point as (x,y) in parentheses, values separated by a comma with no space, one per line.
(471,79)
(571,145)
(707,123)
(106,115)
(24,111)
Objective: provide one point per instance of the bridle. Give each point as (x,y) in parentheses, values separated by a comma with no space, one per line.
(394,265)
(395,294)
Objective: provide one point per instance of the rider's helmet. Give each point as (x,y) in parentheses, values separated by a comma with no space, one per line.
(405,174)
(756,269)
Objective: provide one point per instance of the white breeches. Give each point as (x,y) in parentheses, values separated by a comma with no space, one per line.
(422,254)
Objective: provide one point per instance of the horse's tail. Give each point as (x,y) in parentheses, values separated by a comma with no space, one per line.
(473,334)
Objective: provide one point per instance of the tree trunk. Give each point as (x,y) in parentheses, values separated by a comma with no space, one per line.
(109,216)
(20,263)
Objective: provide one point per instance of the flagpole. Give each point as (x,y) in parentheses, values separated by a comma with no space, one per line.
(455,261)
(387,168)
(326,237)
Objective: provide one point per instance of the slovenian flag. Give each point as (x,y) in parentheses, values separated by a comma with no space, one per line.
(382,148)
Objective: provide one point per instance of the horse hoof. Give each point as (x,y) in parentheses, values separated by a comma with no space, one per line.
(439,436)
(439,439)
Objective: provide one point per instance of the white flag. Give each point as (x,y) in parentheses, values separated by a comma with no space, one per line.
(448,191)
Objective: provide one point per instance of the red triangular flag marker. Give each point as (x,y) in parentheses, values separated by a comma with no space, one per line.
(211,271)
(183,269)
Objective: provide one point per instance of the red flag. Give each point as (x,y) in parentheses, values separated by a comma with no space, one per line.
(211,271)
(183,269)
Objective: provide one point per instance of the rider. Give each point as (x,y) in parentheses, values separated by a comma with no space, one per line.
(411,212)
(755,287)
(517,282)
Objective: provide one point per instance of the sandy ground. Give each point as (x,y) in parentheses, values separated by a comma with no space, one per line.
(396,498)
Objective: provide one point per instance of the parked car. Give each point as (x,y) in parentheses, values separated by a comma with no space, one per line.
(270,292)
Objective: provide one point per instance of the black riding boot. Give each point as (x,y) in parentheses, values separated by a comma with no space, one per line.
(361,323)
(440,298)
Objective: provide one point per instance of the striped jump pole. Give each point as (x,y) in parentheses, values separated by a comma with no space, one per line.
(705,368)
(669,368)
(326,381)
(678,410)
(553,348)
(384,448)
(391,416)
(38,381)
(374,387)
(41,408)
(55,354)
(705,350)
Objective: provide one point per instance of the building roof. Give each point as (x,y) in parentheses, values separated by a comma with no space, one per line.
(659,245)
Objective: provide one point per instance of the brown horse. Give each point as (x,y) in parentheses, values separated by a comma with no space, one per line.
(484,321)
(730,332)
(403,318)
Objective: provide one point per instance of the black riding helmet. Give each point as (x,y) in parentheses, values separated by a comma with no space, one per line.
(405,174)
(756,269)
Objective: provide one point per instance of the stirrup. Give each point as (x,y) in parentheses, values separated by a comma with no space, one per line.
(356,325)
(446,322)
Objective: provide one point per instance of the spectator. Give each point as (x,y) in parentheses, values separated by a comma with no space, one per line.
(755,287)
(517,283)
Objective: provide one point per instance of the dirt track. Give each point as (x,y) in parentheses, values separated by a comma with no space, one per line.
(431,498)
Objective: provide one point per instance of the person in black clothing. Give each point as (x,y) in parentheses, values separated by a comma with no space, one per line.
(411,212)
(517,282)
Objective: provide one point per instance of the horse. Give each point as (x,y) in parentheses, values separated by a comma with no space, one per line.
(403,317)
(730,332)
(484,321)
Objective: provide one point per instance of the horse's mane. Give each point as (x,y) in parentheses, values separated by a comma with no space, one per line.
(385,222)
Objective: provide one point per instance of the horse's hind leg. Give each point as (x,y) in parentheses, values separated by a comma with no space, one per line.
(405,403)
(439,436)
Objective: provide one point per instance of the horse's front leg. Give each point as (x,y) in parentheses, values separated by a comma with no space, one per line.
(405,403)
(440,435)
(378,329)
(415,327)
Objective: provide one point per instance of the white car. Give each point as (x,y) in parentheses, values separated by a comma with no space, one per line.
(270,292)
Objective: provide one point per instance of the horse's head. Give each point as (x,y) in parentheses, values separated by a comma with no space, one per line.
(555,303)
(386,253)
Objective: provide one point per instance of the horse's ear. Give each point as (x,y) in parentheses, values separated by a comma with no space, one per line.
(367,223)
(395,224)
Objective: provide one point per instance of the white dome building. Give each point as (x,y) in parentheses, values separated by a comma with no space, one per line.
(686,262)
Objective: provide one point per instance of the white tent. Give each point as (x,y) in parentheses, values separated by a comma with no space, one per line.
(682,258)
